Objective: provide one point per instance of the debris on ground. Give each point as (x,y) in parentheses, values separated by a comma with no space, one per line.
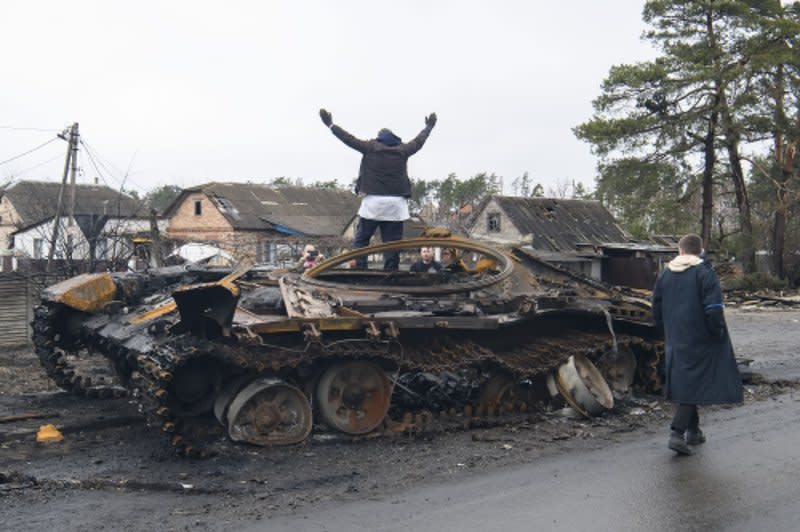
(49,434)
(763,299)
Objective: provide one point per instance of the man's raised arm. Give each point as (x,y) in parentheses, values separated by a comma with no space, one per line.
(415,145)
(357,144)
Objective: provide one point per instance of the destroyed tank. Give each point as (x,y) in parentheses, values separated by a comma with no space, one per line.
(266,357)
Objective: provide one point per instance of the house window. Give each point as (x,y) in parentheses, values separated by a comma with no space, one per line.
(38,248)
(493,222)
(268,252)
(102,249)
(198,207)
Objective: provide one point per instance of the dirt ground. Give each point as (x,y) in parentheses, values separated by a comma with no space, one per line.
(111,472)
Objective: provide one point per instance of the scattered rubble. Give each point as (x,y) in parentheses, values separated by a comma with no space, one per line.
(763,299)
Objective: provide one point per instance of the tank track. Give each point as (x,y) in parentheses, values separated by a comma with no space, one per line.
(188,435)
(86,374)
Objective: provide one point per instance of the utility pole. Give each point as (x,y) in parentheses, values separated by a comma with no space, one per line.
(72,158)
(74,136)
(71,206)
(156,251)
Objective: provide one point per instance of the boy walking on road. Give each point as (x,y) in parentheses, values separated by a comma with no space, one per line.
(700,364)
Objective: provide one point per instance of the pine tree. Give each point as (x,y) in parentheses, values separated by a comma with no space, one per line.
(677,124)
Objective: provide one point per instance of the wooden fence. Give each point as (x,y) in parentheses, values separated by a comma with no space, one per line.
(18,295)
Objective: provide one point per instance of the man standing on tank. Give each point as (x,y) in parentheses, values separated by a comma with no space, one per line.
(383,179)
(700,365)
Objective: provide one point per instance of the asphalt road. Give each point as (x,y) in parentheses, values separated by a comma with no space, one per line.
(744,478)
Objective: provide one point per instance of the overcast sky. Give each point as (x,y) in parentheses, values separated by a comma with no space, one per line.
(185,92)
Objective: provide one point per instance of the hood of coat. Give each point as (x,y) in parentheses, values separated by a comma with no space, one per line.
(683,262)
(387,136)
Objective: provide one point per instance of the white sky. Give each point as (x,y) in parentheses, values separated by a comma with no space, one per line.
(185,92)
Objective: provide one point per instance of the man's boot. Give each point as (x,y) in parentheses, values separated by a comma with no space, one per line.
(695,436)
(678,444)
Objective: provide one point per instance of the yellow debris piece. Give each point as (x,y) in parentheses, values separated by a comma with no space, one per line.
(48,434)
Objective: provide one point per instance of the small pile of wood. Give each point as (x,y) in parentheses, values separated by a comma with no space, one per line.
(762,299)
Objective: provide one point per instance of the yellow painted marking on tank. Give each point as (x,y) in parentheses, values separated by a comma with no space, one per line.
(155,312)
(227,282)
(88,292)
(229,285)
(276,327)
(350,313)
(340,324)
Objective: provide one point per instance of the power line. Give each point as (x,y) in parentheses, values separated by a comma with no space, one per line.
(107,163)
(98,158)
(29,151)
(89,152)
(34,167)
(94,163)
(14,128)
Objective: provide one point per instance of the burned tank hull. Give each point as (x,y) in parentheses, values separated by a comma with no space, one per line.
(264,357)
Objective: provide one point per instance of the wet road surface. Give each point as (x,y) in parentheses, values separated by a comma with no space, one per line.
(744,478)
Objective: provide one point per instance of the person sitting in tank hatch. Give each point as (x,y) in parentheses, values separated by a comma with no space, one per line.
(426,262)
(452,261)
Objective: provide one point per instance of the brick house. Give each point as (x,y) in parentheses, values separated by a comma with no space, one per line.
(260,222)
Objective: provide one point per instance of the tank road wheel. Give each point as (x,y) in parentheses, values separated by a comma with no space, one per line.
(267,412)
(354,397)
(499,394)
(619,369)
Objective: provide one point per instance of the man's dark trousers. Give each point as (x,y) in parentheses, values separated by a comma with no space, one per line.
(390,231)
(686,418)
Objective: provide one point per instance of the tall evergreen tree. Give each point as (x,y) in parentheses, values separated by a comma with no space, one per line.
(772,48)
(677,124)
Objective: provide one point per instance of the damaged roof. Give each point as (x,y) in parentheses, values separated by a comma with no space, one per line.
(291,210)
(37,201)
(559,224)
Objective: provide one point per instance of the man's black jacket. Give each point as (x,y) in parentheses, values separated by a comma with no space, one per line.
(384,168)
